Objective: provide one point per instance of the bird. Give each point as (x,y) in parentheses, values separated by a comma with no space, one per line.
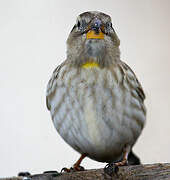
(95,100)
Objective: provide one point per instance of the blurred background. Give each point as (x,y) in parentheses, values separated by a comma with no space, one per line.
(33,37)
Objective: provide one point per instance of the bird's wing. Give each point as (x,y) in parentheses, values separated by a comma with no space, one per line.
(52,84)
(133,81)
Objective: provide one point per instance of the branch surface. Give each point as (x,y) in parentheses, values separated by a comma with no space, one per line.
(139,172)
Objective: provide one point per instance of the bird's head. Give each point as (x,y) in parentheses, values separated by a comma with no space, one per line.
(93,38)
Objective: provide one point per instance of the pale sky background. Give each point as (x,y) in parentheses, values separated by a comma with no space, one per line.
(33,37)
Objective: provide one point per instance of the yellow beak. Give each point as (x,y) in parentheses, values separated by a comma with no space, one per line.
(92,35)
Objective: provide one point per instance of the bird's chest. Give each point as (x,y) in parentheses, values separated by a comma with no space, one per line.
(91,94)
(97,95)
(90,105)
(96,88)
(97,103)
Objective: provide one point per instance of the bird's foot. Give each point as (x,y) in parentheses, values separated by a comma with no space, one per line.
(122,163)
(73,169)
(111,169)
(76,166)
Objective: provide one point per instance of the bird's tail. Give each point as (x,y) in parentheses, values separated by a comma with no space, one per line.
(133,159)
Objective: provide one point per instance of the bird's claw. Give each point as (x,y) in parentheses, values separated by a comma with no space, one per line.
(79,168)
(111,169)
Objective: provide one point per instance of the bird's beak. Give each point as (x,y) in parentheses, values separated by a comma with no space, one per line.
(95,30)
(92,35)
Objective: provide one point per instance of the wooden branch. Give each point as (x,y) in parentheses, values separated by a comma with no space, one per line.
(139,172)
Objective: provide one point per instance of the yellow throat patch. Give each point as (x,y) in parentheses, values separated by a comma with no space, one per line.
(90,65)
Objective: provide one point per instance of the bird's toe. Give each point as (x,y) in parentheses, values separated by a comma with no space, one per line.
(111,169)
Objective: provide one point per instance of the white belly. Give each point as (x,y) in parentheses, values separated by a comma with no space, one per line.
(95,118)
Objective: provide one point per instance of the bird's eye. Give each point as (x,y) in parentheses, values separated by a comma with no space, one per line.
(81,25)
(109,25)
(78,24)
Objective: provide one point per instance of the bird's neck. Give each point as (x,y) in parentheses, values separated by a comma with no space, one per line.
(96,53)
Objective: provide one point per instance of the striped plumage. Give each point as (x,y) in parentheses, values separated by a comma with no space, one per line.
(97,110)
